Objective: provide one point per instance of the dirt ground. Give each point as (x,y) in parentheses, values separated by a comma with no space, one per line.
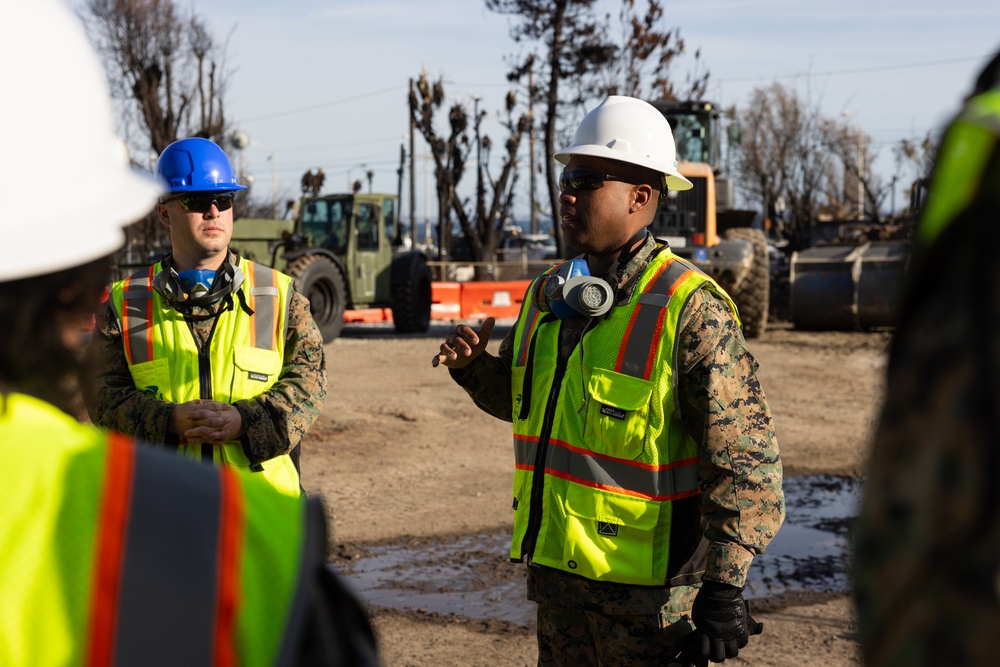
(400,454)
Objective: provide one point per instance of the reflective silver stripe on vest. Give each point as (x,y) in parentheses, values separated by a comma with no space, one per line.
(524,451)
(169,584)
(135,303)
(264,309)
(659,483)
(643,336)
(530,314)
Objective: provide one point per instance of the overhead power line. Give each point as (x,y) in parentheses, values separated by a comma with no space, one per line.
(353,98)
(858,70)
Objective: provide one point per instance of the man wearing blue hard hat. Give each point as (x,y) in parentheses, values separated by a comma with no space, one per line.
(206,352)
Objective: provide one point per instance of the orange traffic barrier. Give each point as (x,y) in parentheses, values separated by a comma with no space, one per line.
(489,298)
(474,300)
(367,315)
(446,301)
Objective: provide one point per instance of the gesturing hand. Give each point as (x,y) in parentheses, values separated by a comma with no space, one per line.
(463,345)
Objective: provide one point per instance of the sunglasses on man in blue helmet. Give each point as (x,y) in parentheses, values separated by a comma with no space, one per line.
(201,202)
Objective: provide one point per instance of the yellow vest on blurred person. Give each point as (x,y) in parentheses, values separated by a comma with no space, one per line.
(117,554)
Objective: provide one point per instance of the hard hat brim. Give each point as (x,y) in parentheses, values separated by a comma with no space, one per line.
(673,180)
(71,234)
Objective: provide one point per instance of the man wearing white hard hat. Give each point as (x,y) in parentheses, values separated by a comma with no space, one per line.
(113,553)
(647,471)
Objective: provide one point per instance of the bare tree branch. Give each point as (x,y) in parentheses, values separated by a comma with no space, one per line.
(164,64)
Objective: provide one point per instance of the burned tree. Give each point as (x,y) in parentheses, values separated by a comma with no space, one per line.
(582,61)
(480,222)
(164,65)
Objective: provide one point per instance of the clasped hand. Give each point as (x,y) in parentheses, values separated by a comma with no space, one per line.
(206,421)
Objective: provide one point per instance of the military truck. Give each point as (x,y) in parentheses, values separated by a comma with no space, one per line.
(703,225)
(343,251)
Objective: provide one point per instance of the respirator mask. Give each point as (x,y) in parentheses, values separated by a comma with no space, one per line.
(198,288)
(570,291)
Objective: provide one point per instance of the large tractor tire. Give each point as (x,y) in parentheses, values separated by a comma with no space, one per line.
(321,281)
(753,295)
(411,293)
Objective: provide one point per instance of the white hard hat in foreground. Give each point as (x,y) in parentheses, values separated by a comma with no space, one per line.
(629,130)
(66,189)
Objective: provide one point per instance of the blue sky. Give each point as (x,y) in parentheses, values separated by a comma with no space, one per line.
(324,84)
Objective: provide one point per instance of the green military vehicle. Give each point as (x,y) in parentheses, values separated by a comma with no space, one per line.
(342,252)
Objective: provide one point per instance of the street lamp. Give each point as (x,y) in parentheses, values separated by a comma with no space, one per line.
(240,140)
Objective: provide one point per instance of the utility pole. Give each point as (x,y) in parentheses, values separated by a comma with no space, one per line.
(413,186)
(861,173)
(480,204)
(399,193)
(531,148)
(274,184)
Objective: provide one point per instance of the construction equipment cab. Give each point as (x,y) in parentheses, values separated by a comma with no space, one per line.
(703,225)
(342,250)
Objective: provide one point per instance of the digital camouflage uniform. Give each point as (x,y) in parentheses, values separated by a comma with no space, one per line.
(741,503)
(275,420)
(927,543)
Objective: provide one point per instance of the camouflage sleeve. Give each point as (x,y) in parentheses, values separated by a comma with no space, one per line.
(926,548)
(723,408)
(487,380)
(276,420)
(112,399)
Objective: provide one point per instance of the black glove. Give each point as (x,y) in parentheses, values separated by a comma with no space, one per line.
(723,622)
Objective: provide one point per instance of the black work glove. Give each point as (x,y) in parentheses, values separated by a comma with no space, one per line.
(723,622)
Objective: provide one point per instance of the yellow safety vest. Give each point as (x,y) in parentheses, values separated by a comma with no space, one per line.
(244,359)
(112,554)
(600,453)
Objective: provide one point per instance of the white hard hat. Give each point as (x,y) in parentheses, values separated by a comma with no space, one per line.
(628,130)
(66,188)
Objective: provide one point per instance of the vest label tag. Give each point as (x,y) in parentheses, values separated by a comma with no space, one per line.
(613,412)
(260,377)
(607,529)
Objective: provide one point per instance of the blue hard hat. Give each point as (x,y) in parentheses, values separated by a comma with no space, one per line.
(196,165)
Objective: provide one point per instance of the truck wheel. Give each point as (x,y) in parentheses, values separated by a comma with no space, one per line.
(320,281)
(411,293)
(752,297)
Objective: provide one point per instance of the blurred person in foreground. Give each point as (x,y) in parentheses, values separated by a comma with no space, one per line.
(927,542)
(206,353)
(647,469)
(113,553)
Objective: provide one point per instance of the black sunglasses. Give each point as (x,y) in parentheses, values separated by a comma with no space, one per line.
(200,202)
(587,180)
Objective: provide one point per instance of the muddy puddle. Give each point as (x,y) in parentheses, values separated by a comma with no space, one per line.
(471,576)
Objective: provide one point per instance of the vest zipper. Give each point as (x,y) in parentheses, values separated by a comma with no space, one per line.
(526,384)
(538,474)
(205,377)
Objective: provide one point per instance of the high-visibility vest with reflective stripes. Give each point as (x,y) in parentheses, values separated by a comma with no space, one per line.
(967,145)
(112,554)
(244,360)
(600,453)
